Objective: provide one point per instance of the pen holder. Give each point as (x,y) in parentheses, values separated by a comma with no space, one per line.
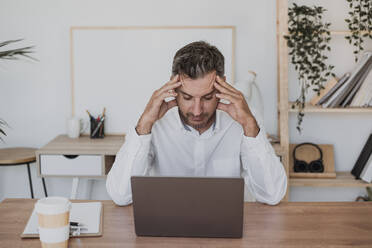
(97,128)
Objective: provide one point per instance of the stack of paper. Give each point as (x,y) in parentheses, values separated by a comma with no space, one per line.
(87,213)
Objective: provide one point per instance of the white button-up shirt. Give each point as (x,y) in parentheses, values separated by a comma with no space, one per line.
(175,149)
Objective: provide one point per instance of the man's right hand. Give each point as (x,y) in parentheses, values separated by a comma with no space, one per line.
(157,106)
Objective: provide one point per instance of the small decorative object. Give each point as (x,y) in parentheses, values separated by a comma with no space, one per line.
(359,24)
(12,54)
(308,40)
(75,127)
(368,197)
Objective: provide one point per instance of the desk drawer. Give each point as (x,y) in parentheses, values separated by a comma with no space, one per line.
(71,165)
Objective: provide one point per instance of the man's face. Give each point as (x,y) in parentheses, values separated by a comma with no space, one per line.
(197,100)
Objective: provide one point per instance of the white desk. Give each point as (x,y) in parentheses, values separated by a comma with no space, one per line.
(82,157)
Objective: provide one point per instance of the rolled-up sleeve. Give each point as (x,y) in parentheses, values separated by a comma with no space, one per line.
(264,173)
(133,158)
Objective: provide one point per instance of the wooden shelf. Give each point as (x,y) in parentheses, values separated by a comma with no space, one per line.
(346,32)
(318,109)
(337,32)
(343,179)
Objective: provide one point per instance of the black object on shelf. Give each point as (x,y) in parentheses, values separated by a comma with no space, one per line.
(363,158)
(315,166)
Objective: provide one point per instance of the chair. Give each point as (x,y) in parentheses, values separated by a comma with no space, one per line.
(19,156)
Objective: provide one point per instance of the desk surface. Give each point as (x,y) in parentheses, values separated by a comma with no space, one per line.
(62,144)
(289,224)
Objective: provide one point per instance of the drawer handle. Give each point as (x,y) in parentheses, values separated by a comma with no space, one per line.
(70,156)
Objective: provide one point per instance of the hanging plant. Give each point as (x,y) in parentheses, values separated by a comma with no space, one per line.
(308,41)
(359,24)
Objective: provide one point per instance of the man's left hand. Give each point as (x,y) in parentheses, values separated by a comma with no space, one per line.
(238,108)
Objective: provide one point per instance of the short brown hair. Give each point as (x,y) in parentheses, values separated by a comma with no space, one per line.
(197,59)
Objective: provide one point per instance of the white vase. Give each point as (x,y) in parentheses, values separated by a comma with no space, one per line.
(252,94)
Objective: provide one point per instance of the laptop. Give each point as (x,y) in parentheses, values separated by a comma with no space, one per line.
(188,206)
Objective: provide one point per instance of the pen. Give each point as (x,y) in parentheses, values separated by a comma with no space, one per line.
(104,110)
(90,116)
(76,228)
(101,127)
(73,223)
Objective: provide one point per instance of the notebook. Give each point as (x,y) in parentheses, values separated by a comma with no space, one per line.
(88,213)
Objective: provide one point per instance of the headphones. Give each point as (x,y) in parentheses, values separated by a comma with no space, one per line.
(313,166)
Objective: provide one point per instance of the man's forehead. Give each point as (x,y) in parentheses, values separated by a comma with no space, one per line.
(200,86)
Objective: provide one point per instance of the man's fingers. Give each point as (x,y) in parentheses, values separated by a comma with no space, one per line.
(169,87)
(166,94)
(173,79)
(225,90)
(222,106)
(160,96)
(172,84)
(222,82)
(171,104)
(226,97)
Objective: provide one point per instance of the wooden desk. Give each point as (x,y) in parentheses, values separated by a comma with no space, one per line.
(57,158)
(289,224)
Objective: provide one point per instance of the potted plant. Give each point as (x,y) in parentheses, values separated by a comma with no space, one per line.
(12,54)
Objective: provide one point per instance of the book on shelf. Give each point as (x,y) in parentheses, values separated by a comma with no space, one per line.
(353,82)
(364,94)
(361,80)
(330,84)
(340,82)
(366,174)
(356,75)
(363,158)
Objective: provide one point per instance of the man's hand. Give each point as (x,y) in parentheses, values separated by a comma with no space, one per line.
(238,108)
(157,107)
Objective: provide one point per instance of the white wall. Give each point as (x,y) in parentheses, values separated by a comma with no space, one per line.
(35,96)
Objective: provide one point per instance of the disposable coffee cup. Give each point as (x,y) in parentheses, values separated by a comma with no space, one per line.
(53,218)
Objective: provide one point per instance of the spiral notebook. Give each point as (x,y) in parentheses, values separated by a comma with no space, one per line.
(90,214)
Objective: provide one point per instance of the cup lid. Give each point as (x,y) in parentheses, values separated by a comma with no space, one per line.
(53,205)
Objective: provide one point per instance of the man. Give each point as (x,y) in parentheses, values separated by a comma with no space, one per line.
(197,135)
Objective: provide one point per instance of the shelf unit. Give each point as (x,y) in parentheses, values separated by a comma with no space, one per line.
(343,179)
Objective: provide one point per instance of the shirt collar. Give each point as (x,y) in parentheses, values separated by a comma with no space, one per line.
(215,126)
